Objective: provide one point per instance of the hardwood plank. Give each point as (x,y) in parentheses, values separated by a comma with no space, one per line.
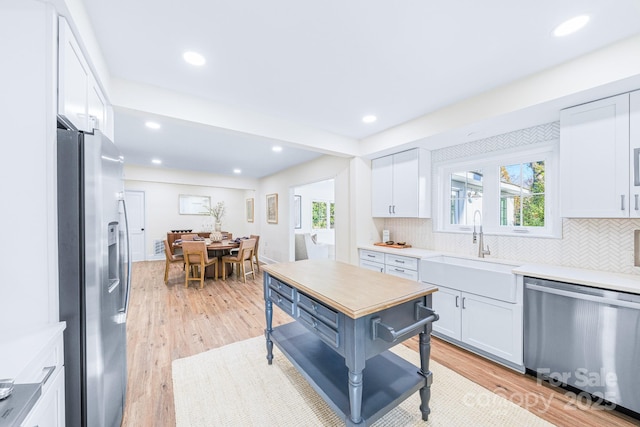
(167,322)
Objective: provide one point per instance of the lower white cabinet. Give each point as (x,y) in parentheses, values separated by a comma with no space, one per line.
(395,265)
(485,324)
(49,411)
(36,357)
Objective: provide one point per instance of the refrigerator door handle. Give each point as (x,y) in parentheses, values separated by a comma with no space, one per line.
(125,306)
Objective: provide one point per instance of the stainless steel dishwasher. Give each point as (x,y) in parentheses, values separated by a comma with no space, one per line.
(585,337)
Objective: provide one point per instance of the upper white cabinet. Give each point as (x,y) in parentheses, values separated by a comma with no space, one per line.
(80,99)
(400,185)
(599,160)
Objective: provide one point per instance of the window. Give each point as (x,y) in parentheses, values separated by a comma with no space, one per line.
(318,215)
(522,195)
(508,193)
(322,215)
(466,196)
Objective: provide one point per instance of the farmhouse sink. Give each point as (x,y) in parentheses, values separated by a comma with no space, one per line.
(477,276)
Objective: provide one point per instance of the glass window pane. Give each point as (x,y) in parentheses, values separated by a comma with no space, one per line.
(522,201)
(466,196)
(319,215)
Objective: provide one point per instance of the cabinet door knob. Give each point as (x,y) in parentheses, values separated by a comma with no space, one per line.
(457,298)
(622,201)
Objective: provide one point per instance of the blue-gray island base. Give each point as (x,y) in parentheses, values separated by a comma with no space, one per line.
(340,346)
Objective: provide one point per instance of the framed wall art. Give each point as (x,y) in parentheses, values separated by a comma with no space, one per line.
(249,210)
(272,208)
(297,209)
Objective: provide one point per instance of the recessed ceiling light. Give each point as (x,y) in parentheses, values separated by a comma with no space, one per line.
(152,125)
(571,26)
(276,148)
(237,170)
(156,161)
(194,58)
(369,119)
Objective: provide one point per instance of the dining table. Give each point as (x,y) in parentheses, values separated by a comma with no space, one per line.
(217,249)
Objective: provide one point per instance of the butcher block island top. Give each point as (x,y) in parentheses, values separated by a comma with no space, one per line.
(349,289)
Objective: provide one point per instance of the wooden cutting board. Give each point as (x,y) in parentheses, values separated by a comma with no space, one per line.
(395,245)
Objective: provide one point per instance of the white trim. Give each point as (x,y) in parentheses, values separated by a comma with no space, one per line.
(489,164)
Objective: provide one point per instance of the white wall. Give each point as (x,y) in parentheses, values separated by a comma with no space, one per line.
(161,200)
(322,191)
(276,240)
(28,82)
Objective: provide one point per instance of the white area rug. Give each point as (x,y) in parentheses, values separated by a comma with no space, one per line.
(234,386)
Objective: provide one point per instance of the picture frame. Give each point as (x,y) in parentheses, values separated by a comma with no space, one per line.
(193,205)
(249,210)
(272,208)
(297,209)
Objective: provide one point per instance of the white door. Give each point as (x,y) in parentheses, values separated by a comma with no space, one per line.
(492,326)
(135,212)
(405,184)
(446,302)
(381,187)
(594,159)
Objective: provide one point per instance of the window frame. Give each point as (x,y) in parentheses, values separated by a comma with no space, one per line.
(490,164)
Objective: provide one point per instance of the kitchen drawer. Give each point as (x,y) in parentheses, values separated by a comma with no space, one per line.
(285,304)
(320,328)
(44,364)
(372,256)
(401,272)
(374,266)
(315,308)
(401,261)
(281,288)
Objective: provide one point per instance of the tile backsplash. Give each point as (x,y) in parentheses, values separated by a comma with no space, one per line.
(596,244)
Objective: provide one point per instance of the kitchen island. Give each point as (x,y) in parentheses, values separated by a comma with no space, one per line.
(347,319)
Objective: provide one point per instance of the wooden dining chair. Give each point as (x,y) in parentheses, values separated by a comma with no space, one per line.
(245,253)
(171,259)
(255,250)
(197,259)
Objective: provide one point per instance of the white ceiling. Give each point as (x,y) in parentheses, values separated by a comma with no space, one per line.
(325,64)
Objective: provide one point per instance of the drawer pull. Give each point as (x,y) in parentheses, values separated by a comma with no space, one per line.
(315,307)
(49,370)
(399,270)
(389,334)
(314,322)
(371,256)
(399,261)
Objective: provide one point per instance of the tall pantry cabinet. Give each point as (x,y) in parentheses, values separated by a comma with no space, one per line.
(599,158)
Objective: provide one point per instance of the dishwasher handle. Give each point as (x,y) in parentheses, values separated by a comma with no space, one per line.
(581,296)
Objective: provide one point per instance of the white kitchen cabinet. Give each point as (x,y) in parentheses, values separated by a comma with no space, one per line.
(401,266)
(400,185)
(80,98)
(49,411)
(73,78)
(486,324)
(36,356)
(395,265)
(598,161)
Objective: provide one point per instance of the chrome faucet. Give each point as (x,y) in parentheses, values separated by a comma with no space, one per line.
(481,250)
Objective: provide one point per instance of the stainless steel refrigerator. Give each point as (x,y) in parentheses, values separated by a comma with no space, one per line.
(94,277)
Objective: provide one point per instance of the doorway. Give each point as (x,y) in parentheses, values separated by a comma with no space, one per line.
(314,220)
(136,215)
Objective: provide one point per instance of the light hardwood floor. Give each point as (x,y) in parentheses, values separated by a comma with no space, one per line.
(167,322)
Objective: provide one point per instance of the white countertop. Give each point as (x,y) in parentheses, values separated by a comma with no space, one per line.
(580,276)
(18,347)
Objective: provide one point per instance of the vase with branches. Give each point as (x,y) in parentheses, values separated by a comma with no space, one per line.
(217,212)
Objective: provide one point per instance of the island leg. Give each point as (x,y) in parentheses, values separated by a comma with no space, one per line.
(425,353)
(268,311)
(355,397)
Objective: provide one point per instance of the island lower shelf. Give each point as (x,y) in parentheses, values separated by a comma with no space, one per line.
(388,379)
